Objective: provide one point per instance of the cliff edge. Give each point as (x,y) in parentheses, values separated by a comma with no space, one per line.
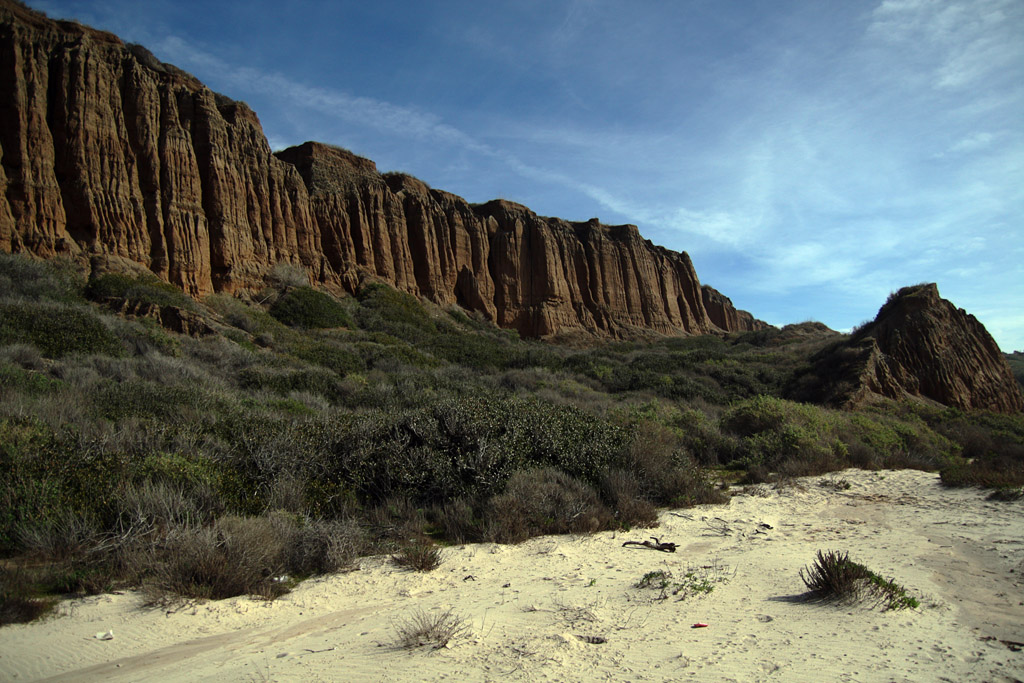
(110,155)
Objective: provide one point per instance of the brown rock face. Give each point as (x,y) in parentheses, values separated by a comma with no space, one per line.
(726,316)
(921,345)
(109,152)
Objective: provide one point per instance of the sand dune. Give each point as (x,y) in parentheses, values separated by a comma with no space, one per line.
(532,610)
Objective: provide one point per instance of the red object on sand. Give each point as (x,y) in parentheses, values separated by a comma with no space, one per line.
(699,624)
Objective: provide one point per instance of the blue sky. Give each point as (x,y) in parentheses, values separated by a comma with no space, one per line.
(811,156)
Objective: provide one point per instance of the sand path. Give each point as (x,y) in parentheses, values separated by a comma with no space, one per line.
(528,605)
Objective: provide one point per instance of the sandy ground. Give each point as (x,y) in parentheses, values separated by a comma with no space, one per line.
(531,609)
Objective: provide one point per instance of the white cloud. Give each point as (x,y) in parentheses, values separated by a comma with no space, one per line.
(972,143)
(959,42)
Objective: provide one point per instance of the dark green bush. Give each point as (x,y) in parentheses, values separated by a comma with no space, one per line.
(137,289)
(1005,471)
(385,309)
(139,398)
(307,308)
(285,380)
(23,277)
(56,329)
(329,355)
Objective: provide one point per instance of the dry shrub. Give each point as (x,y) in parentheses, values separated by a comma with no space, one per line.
(420,556)
(622,492)
(436,630)
(156,504)
(59,536)
(457,521)
(237,556)
(249,556)
(395,520)
(544,501)
(18,603)
(324,547)
(665,473)
(24,355)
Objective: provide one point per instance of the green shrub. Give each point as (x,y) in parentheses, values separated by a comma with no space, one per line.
(307,308)
(834,577)
(775,431)
(545,501)
(284,380)
(664,472)
(385,309)
(56,329)
(137,289)
(25,278)
(329,355)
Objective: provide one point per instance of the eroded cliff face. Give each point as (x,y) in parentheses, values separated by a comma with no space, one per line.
(922,346)
(109,154)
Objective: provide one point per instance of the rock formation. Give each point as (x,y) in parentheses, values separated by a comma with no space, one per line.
(107,152)
(920,346)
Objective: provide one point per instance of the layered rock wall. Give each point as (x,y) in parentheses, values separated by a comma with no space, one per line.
(108,153)
(921,346)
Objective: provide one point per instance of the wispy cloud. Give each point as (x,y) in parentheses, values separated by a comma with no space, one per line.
(963,41)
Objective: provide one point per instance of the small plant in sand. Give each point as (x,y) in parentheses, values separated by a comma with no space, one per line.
(1007,493)
(425,629)
(421,556)
(835,578)
(834,483)
(696,580)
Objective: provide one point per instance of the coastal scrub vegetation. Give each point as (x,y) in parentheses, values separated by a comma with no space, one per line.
(834,577)
(301,431)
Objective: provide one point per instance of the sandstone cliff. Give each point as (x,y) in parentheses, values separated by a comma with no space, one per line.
(920,346)
(109,154)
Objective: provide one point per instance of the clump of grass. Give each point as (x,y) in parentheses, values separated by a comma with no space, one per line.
(421,556)
(834,577)
(834,484)
(436,630)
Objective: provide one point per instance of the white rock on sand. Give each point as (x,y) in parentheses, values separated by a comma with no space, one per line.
(566,608)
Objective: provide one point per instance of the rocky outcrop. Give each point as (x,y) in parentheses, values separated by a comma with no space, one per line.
(726,316)
(109,152)
(920,346)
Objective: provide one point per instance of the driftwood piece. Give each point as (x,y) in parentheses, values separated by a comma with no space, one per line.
(657,545)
